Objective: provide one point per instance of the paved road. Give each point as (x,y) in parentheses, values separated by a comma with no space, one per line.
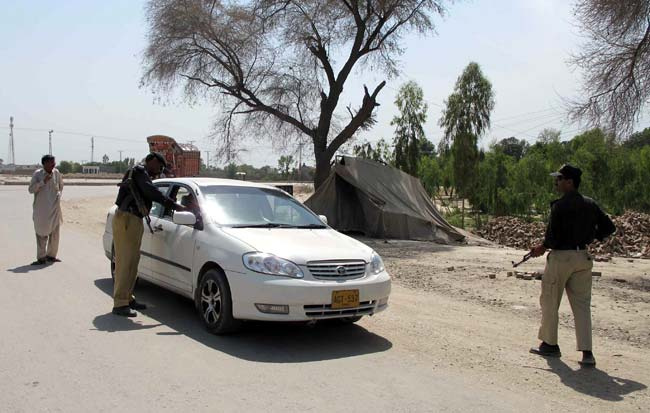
(62,350)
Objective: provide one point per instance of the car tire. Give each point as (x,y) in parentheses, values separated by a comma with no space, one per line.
(214,303)
(113,262)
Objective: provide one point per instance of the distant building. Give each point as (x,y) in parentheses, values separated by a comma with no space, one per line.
(90,170)
(183,159)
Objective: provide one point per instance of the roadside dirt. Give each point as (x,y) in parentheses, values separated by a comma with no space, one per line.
(448,312)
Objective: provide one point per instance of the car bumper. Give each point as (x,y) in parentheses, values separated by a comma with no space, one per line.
(306,299)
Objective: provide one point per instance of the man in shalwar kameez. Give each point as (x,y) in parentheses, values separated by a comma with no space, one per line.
(46,185)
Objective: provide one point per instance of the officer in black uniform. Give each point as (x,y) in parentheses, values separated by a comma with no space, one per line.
(575,222)
(128,228)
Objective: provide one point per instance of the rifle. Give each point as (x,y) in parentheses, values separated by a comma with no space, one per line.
(526,258)
(129,183)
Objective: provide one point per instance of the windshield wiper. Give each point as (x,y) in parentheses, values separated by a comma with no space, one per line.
(265,225)
(311,226)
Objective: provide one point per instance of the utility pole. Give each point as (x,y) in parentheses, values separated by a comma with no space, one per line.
(12,153)
(207,163)
(50,133)
(120,151)
(92,149)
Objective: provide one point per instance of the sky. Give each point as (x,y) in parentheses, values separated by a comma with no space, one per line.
(74,67)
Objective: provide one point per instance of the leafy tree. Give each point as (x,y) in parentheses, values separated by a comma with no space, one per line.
(430,174)
(64,167)
(105,159)
(513,147)
(615,62)
(427,148)
(549,135)
(231,171)
(284,165)
(465,118)
(380,152)
(638,139)
(282,64)
(409,131)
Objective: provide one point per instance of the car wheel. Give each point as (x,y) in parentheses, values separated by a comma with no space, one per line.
(214,303)
(349,320)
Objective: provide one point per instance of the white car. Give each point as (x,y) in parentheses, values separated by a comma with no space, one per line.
(252,252)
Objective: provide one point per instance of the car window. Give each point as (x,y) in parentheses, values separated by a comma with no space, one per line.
(184,196)
(240,206)
(157,208)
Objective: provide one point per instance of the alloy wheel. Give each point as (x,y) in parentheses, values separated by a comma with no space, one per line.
(211,304)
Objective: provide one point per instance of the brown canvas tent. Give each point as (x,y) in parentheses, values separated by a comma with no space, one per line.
(379,201)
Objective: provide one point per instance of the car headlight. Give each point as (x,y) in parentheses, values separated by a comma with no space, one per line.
(271,265)
(376,264)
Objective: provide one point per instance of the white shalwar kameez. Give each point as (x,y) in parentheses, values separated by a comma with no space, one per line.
(47,212)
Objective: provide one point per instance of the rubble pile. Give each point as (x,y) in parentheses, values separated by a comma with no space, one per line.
(632,237)
(513,232)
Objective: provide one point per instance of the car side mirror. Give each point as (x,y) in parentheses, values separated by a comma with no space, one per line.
(323,218)
(184,218)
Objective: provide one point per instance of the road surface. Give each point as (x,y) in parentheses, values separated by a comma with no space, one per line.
(62,350)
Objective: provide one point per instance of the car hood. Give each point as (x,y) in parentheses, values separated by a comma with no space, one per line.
(302,245)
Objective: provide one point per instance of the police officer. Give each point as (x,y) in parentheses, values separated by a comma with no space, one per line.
(574,223)
(128,229)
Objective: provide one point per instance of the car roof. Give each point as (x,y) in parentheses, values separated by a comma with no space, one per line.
(203,182)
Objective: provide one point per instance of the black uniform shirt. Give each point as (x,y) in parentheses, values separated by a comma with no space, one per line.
(575,222)
(148,191)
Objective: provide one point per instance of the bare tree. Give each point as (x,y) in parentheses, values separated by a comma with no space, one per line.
(615,60)
(277,68)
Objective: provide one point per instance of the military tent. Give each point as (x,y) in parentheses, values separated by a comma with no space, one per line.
(379,201)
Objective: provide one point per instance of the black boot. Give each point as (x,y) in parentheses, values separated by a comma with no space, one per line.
(547,350)
(588,359)
(124,311)
(137,306)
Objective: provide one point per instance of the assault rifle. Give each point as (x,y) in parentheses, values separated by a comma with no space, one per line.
(526,258)
(130,184)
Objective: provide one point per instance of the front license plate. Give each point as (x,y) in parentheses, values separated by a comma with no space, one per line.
(345,299)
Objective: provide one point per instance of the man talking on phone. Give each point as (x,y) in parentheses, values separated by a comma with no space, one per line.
(46,185)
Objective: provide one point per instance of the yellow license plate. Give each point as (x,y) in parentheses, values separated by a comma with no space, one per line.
(345,299)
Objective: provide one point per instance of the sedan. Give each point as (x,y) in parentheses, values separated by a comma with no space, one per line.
(249,251)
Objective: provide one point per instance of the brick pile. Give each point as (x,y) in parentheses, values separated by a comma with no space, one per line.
(631,240)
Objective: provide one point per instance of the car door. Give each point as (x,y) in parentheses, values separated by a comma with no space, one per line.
(172,246)
(145,265)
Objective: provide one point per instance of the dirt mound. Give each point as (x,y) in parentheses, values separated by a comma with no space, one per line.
(632,237)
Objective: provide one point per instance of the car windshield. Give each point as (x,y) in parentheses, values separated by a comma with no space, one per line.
(241,207)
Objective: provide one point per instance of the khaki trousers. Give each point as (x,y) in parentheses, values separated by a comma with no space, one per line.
(127,237)
(48,245)
(570,270)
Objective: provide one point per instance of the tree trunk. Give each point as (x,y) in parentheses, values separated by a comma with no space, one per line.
(323,169)
(462,214)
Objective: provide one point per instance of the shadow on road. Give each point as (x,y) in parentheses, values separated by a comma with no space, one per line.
(261,342)
(24,269)
(111,323)
(593,382)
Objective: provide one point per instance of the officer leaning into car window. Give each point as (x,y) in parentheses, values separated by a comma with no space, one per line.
(128,229)
(574,223)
